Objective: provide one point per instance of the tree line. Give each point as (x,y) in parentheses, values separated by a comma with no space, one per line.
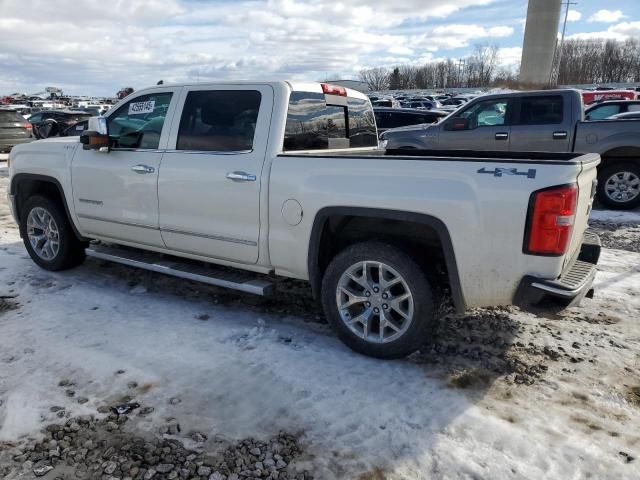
(581,62)
(599,61)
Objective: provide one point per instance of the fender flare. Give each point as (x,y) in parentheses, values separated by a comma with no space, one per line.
(19,177)
(441,229)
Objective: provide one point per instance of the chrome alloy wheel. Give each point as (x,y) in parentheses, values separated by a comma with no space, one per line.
(622,186)
(374,302)
(43,233)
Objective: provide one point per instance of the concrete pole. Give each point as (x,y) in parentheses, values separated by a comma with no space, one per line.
(540,36)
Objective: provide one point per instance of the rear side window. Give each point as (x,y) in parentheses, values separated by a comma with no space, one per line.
(541,110)
(362,125)
(314,125)
(219,120)
(11,117)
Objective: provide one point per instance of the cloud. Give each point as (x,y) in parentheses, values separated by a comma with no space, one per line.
(509,57)
(574,16)
(607,16)
(620,31)
(98,48)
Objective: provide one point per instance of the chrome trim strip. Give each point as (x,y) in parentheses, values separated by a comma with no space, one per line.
(210,237)
(128,224)
(210,152)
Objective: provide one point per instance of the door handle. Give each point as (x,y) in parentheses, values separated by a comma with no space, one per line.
(241,177)
(559,135)
(143,169)
(502,136)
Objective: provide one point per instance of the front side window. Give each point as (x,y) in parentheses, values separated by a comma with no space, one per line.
(138,123)
(543,110)
(219,120)
(486,114)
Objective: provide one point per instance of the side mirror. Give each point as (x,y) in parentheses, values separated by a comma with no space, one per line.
(97,135)
(458,123)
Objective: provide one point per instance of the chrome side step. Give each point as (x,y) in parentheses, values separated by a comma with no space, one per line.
(236,279)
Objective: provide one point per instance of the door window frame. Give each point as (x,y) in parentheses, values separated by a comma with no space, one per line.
(261,136)
(168,119)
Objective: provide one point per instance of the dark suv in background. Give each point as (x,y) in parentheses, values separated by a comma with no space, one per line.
(387,118)
(14,129)
(51,123)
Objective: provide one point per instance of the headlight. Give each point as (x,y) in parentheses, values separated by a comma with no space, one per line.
(383,144)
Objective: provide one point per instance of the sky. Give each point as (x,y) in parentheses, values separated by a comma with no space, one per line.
(95,47)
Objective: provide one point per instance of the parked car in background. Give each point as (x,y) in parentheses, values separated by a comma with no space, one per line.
(453,102)
(14,129)
(386,102)
(420,104)
(75,130)
(625,116)
(51,123)
(546,121)
(600,111)
(387,118)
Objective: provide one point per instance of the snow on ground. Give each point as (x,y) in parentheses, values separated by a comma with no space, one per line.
(498,394)
(616,216)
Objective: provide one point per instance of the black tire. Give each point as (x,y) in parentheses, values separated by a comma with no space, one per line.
(424,305)
(71,250)
(607,172)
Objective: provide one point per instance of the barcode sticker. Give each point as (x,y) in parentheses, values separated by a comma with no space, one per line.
(138,108)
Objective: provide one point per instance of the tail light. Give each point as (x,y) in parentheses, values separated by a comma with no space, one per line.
(552,213)
(28,126)
(333,89)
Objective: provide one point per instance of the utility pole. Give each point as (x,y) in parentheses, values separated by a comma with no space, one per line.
(461,62)
(555,71)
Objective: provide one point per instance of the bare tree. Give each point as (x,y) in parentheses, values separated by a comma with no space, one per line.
(376,78)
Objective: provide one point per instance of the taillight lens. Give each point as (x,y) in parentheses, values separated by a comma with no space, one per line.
(27,126)
(551,217)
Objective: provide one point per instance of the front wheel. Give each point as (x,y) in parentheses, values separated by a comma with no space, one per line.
(619,185)
(378,300)
(48,236)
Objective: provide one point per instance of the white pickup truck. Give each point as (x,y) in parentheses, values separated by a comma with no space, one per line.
(285,179)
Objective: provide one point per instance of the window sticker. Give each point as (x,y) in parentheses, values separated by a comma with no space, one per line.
(139,108)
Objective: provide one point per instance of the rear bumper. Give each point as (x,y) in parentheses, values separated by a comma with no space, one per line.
(570,288)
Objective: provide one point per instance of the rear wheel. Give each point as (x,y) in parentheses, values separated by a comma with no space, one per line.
(619,185)
(378,300)
(48,236)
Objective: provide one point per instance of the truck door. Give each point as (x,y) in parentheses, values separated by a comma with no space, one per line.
(542,123)
(115,194)
(210,178)
(482,126)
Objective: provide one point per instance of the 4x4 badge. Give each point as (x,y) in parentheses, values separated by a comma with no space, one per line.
(499,172)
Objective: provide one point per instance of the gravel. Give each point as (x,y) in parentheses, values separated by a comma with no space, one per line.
(100,447)
(621,236)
